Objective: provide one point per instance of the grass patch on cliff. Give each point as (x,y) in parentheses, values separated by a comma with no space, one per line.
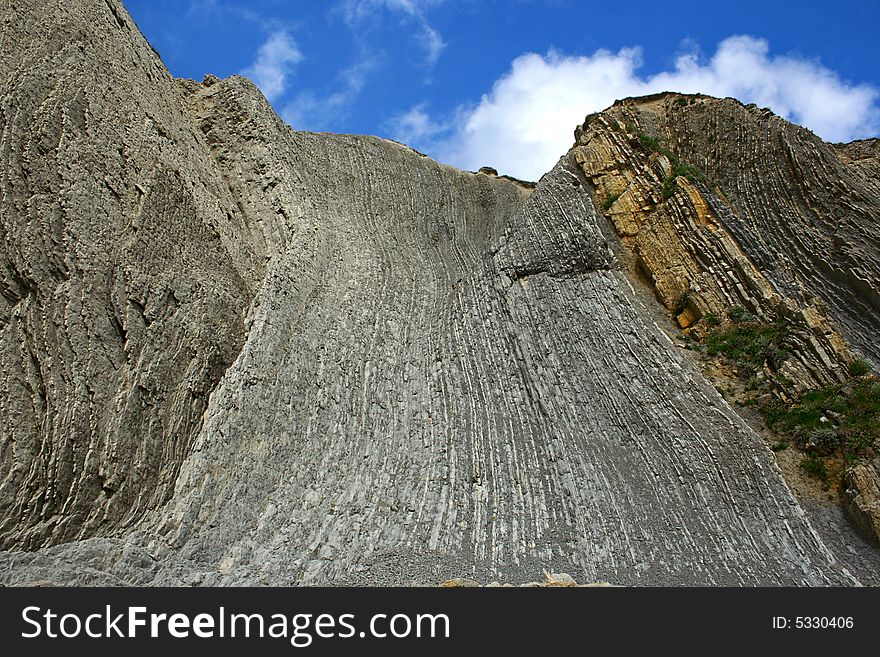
(859,367)
(844,417)
(832,427)
(610,201)
(738,315)
(651,143)
(815,465)
(681,303)
(751,343)
(690,172)
(712,319)
(679,167)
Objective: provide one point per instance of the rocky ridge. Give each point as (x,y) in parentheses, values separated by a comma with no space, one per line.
(704,255)
(236,353)
(802,212)
(677,224)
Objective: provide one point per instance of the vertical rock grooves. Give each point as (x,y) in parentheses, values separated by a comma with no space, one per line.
(121,301)
(351,363)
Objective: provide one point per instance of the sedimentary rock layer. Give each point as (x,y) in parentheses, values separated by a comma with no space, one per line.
(234,353)
(125,274)
(681,233)
(803,211)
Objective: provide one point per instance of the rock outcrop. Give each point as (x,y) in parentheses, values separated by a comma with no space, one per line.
(234,353)
(684,235)
(862,484)
(802,212)
(761,216)
(126,274)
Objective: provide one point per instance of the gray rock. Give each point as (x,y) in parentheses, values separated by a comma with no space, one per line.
(233,353)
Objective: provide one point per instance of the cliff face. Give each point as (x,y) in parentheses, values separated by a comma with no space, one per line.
(774,214)
(723,207)
(236,353)
(126,273)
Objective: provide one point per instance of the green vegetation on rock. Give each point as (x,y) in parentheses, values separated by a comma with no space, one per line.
(679,168)
(610,201)
(859,367)
(838,423)
(845,416)
(815,466)
(746,341)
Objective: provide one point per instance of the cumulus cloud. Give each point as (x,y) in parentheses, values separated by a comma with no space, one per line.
(525,123)
(273,64)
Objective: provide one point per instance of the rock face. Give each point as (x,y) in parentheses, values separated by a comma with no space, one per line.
(233,353)
(802,212)
(551,580)
(863,491)
(760,215)
(125,276)
(687,238)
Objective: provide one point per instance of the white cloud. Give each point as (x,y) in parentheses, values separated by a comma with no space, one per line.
(432,43)
(310,112)
(526,122)
(415,126)
(273,64)
(356,12)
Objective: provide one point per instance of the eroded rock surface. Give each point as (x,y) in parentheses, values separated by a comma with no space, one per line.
(863,493)
(802,211)
(233,353)
(125,275)
(722,206)
(550,580)
(682,233)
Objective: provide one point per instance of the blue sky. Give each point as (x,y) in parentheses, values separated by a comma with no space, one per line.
(503,83)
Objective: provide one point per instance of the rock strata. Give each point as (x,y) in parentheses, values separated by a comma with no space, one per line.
(760,216)
(235,353)
(801,210)
(863,497)
(678,227)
